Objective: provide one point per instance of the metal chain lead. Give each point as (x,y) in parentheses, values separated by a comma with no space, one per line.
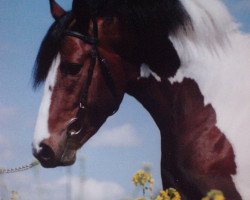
(19,169)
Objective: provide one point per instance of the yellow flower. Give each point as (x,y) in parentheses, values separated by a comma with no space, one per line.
(142,178)
(169,194)
(214,195)
(163,196)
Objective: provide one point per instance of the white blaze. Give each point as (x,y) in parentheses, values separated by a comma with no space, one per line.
(41,128)
(222,76)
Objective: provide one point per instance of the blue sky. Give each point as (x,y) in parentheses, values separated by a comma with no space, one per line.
(104,163)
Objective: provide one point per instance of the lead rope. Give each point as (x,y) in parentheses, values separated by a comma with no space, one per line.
(19,169)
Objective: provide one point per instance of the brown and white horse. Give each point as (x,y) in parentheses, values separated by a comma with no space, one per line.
(187,78)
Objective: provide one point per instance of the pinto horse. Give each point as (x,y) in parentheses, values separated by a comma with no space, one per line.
(174,58)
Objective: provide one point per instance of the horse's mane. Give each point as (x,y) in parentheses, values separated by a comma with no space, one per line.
(212,27)
(146,19)
(192,25)
(49,48)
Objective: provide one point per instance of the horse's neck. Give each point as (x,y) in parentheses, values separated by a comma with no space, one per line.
(154,97)
(191,144)
(173,107)
(179,112)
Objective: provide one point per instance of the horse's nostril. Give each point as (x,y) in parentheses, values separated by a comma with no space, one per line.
(46,153)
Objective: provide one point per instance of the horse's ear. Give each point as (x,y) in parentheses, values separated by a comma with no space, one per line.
(56,10)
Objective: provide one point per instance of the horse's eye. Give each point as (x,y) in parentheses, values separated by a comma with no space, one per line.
(70,68)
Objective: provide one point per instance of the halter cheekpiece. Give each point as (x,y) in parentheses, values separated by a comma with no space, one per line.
(75,127)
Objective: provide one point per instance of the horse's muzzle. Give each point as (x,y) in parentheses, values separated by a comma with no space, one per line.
(48,158)
(45,155)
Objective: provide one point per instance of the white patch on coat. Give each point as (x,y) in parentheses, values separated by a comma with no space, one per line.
(41,128)
(145,72)
(222,76)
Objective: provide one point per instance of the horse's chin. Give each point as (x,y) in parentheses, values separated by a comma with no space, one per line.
(68,157)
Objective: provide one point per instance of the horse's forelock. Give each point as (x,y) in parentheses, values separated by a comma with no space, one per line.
(49,49)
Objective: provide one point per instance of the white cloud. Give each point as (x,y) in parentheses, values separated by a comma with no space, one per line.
(90,189)
(124,135)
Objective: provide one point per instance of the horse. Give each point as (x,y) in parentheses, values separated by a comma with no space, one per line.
(172,56)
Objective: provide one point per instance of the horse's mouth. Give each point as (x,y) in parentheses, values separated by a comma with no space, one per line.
(68,156)
(72,143)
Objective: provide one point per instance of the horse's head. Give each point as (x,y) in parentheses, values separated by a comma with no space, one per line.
(88,63)
(84,85)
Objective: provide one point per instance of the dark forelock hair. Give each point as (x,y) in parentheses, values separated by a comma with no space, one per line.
(49,48)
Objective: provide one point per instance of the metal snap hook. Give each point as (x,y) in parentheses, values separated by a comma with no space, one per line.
(74,132)
(81,105)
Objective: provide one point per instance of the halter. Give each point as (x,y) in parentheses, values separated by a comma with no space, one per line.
(75,127)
